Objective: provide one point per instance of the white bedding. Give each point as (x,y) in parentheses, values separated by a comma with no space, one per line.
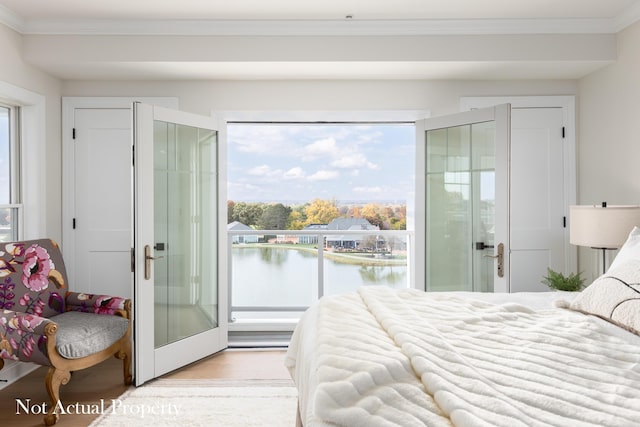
(406,358)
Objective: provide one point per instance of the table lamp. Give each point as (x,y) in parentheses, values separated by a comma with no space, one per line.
(602,227)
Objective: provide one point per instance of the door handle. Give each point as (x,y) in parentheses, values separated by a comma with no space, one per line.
(500,257)
(147,261)
(480,246)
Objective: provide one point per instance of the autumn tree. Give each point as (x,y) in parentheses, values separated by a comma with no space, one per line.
(321,212)
(274,217)
(247,213)
(374,213)
(297,218)
(398,223)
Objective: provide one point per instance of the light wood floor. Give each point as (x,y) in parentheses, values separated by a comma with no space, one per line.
(104,381)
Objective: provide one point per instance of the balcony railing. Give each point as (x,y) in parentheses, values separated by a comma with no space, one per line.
(280,273)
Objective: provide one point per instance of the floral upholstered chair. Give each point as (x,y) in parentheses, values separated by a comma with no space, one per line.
(42,322)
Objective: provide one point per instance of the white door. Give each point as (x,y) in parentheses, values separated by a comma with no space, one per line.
(462,202)
(542,185)
(97,215)
(538,224)
(180,305)
(102,154)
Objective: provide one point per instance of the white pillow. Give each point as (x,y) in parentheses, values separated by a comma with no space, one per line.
(614,296)
(630,249)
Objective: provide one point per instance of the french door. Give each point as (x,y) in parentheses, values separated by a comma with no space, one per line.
(464,179)
(180,310)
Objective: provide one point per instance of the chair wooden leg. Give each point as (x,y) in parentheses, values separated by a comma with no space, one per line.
(55,378)
(125,355)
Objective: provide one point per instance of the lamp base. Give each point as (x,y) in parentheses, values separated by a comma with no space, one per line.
(604,258)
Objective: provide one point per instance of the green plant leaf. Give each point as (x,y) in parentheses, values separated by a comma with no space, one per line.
(555,280)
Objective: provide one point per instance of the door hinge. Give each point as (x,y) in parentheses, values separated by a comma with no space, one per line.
(73,133)
(564,222)
(73,223)
(133,260)
(563,132)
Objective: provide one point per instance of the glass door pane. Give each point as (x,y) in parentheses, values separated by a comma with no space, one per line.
(483,202)
(460,207)
(185,232)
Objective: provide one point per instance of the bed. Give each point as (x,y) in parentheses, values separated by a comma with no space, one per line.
(383,357)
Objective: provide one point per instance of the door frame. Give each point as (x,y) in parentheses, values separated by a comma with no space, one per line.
(69,105)
(491,113)
(568,105)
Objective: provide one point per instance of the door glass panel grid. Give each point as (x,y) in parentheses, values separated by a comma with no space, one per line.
(460,207)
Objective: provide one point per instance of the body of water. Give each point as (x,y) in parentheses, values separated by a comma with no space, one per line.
(273,276)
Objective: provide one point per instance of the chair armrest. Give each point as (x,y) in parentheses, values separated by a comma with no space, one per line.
(24,337)
(99,304)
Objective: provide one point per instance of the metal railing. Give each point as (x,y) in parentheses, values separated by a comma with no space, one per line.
(326,246)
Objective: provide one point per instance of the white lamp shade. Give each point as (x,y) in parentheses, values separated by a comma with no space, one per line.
(602,227)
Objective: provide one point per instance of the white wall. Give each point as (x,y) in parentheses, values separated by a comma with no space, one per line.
(608,138)
(609,117)
(16,72)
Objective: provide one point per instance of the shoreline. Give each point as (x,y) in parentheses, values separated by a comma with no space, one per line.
(344,258)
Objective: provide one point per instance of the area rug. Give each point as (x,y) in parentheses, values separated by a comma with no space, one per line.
(228,403)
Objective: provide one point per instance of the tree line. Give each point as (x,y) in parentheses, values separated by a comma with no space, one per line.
(277,216)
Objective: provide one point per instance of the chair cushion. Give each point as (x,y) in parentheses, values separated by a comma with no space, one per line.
(82,334)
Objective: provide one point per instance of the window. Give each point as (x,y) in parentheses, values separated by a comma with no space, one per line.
(10,198)
(336,196)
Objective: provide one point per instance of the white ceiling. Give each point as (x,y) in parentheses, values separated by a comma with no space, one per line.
(319,18)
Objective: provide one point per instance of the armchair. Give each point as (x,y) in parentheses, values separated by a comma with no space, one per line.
(42,322)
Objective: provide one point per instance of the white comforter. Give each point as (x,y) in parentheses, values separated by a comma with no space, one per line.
(408,358)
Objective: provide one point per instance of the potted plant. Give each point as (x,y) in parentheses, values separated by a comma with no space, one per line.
(560,282)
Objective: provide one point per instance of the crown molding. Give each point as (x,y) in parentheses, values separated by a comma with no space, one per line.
(628,17)
(321,27)
(11,19)
(343,27)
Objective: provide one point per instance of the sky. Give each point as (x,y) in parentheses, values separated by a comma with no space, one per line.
(285,163)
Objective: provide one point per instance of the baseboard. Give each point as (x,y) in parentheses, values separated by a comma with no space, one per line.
(13,371)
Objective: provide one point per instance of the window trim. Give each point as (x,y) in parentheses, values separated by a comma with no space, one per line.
(32,176)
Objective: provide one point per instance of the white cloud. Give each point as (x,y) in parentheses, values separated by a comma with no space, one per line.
(265,140)
(354,160)
(265,174)
(324,175)
(262,170)
(319,148)
(294,173)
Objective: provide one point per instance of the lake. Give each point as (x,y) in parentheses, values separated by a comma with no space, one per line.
(273,276)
